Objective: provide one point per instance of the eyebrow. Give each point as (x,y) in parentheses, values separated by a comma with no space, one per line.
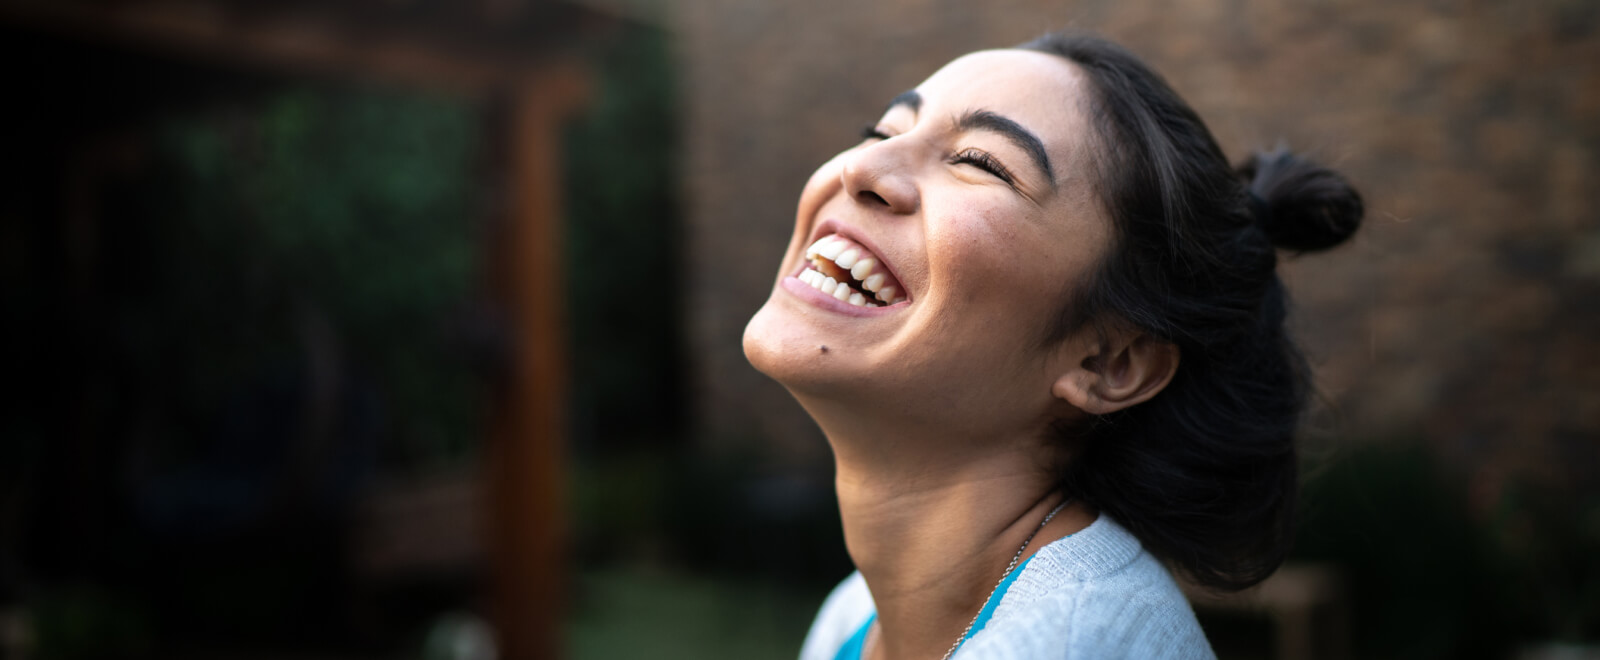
(909,98)
(985,120)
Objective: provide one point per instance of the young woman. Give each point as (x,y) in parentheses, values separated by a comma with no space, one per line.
(1036,313)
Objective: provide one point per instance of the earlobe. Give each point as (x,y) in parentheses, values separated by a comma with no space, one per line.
(1118,376)
(1076,387)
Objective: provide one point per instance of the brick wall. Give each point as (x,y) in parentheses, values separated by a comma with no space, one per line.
(1465,313)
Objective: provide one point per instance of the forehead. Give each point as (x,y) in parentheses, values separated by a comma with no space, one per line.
(1040,91)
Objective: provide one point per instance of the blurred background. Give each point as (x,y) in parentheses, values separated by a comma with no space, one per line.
(410,328)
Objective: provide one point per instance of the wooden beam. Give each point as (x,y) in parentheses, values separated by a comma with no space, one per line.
(458,57)
(526,456)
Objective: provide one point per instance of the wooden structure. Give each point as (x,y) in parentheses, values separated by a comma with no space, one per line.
(521,60)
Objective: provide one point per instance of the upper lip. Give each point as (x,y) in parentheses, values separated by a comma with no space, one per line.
(832,226)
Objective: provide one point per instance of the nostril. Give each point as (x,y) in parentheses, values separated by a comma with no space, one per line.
(872,198)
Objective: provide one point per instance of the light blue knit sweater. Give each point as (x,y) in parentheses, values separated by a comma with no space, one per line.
(1094,594)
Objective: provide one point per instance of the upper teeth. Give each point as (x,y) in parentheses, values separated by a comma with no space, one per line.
(828,247)
(833,257)
(847,258)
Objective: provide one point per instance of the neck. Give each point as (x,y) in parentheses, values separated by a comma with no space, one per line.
(933,534)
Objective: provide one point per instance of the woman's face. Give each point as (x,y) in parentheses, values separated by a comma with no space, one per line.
(959,230)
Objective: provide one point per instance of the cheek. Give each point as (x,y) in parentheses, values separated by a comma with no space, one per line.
(991,256)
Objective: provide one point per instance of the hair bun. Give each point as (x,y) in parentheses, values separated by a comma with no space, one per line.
(1300,205)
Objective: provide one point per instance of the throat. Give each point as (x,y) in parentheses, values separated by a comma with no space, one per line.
(936,580)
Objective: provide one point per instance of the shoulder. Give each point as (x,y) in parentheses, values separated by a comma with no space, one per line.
(845,609)
(1096,594)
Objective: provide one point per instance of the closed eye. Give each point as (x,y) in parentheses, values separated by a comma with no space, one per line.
(985,161)
(970,156)
(871,132)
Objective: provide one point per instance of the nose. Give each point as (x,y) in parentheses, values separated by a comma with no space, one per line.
(880,175)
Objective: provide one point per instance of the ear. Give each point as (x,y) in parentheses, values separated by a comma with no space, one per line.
(1115,374)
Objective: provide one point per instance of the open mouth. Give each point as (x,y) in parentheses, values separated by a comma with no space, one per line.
(849,272)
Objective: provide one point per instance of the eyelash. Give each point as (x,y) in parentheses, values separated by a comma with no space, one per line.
(984,161)
(980,159)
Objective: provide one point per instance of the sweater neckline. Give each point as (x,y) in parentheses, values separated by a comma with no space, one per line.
(854,646)
(1102,548)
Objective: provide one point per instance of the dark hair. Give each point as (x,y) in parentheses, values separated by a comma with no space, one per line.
(1204,473)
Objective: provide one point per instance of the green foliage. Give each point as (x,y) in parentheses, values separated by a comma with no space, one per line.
(1416,564)
(623,250)
(640,614)
(350,218)
(1550,542)
(1431,576)
(89,622)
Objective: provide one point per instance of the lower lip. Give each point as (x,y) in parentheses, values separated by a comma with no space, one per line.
(817,298)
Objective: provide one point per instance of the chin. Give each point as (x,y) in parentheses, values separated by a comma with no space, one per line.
(788,351)
(766,345)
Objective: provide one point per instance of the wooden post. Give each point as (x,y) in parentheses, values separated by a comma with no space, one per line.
(526,455)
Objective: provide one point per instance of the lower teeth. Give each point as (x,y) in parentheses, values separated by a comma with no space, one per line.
(818,280)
